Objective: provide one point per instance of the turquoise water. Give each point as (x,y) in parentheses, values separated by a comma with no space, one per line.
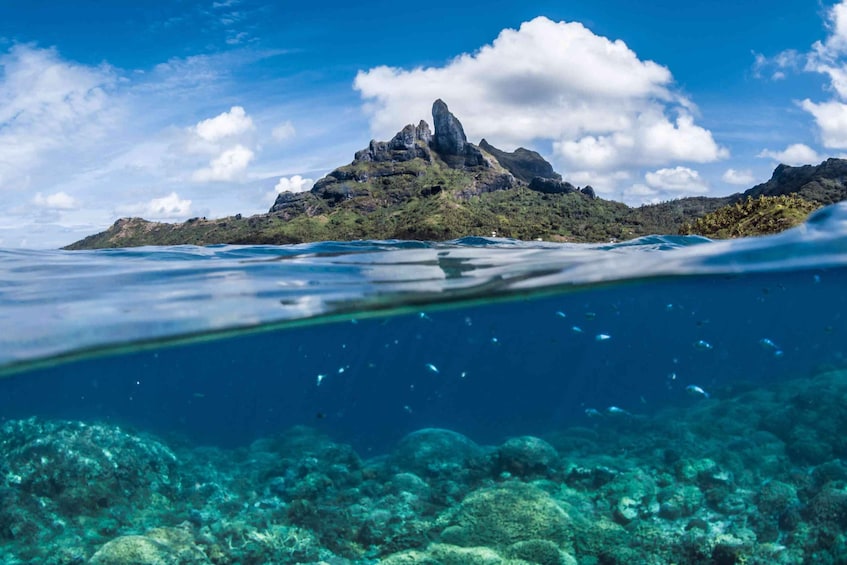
(669,399)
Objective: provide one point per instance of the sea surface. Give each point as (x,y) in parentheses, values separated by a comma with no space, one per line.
(664,400)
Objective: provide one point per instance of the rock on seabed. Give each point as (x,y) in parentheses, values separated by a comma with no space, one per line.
(734,491)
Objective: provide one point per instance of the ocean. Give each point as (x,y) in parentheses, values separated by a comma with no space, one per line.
(483,401)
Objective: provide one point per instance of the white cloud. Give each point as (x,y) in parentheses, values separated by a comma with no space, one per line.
(677,179)
(776,67)
(227,166)
(653,140)
(831,118)
(796,154)
(165,208)
(107,135)
(47,104)
(603,108)
(641,191)
(284,131)
(228,124)
(827,57)
(57,201)
(295,183)
(602,182)
(743,178)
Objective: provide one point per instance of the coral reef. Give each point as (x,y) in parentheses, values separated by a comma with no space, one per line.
(744,477)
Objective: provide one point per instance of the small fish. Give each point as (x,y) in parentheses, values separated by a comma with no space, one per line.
(671,376)
(464,374)
(602,337)
(561,314)
(695,390)
(778,353)
(495,340)
(817,278)
(576,329)
(590,315)
(423,316)
(615,411)
(767,343)
(703,344)
(320,379)
(593,413)
(432,368)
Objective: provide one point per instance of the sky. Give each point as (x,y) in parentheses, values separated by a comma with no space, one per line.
(175,109)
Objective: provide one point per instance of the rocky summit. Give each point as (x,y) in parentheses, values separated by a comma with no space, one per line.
(425,185)
(416,163)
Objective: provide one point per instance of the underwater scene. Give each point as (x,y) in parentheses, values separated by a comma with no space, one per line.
(482,401)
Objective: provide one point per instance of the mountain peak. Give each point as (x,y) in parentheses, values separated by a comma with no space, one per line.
(450,140)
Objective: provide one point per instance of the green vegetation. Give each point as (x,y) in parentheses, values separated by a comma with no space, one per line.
(424,198)
(436,212)
(753,216)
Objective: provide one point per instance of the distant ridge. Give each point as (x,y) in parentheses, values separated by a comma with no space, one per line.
(825,183)
(426,185)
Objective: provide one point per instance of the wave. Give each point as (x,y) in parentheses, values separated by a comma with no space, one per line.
(59,305)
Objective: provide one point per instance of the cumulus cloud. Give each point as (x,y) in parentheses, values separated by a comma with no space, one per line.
(652,140)
(829,57)
(831,118)
(677,179)
(642,191)
(227,166)
(47,104)
(165,208)
(284,131)
(228,124)
(295,183)
(743,178)
(602,182)
(225,140)
(796,154)
(56,201)
(604,109)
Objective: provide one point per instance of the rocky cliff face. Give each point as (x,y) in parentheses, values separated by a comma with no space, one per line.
(414,163)
(825,183)
(450,140)
(412,142)
(524,164)
(417,163)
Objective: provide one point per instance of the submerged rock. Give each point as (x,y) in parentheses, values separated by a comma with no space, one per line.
(527,457)
(504,515)
(160,546)
(433,452)
(77,468)
(543,552)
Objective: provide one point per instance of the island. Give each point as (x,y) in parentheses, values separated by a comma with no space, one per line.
(436,186)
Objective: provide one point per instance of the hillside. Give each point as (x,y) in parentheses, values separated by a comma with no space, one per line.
(437,186)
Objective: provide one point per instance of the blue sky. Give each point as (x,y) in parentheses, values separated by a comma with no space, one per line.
(180,108)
